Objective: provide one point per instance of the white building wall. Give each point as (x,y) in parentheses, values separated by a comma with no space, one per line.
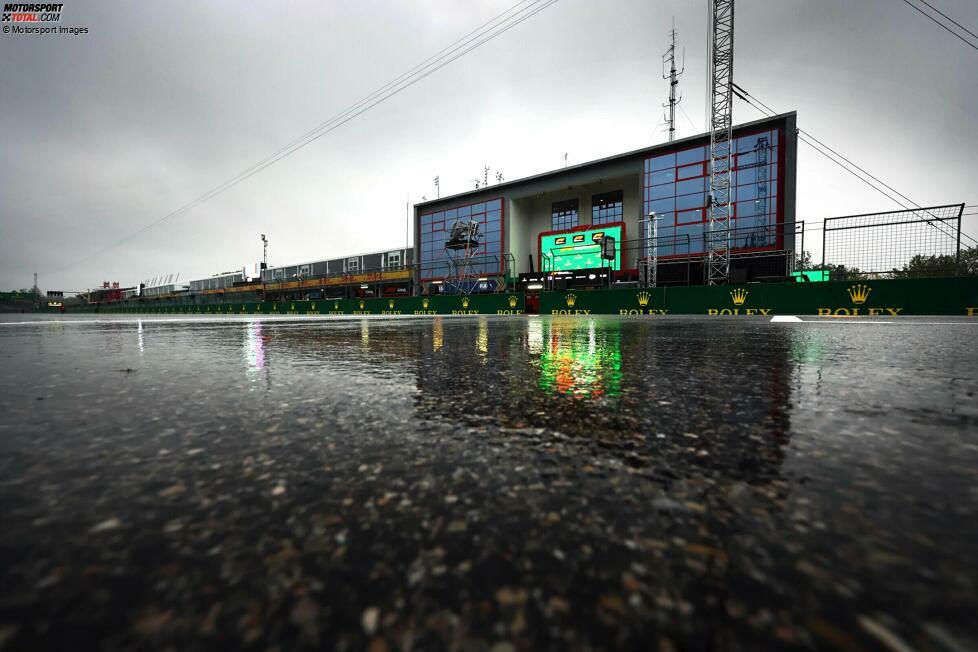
(517,234)
(531,216)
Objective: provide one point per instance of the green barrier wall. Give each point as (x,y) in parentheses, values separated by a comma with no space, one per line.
(923,296)
(490,304)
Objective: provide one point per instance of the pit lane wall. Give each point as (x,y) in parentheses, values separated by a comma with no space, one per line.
(894,297)
(486,304)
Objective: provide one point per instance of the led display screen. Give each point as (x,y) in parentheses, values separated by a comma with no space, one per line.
(579,249)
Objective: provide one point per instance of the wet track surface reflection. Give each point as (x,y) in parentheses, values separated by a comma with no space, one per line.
(488,483)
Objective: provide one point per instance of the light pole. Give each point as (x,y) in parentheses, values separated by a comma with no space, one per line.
(264,265)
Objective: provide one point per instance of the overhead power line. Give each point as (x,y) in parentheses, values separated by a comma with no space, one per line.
(486,32)
(688,119)
(804,136)
(941,24)
(949,18)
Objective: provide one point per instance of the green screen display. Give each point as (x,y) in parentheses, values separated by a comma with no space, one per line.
(813,275)
(579,249)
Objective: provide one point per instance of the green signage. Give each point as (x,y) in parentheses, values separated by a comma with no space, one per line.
(869,298)
(579,249)
(811,275)
(504,303)
(866,298)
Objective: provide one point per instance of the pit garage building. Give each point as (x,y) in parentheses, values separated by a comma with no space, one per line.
(552,223)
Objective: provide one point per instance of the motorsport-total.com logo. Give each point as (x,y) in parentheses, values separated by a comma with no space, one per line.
(36,18)
(32,12)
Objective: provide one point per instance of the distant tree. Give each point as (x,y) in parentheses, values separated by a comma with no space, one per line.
(803,262)
(917,266)
(966,264)
(847,273)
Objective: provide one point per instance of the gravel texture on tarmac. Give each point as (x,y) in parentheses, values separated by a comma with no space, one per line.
(484,483)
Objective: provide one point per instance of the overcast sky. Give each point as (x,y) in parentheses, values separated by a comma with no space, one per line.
(106,132)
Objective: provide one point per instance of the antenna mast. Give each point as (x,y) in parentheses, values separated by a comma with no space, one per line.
(673,77)
(721,139)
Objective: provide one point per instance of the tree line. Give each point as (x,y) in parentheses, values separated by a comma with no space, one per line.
(965,264)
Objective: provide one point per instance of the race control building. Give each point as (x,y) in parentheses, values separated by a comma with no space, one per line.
(553,222)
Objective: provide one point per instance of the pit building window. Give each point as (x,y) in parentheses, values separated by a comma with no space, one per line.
(676,187)
(606,207)
(436,227)
(563,215)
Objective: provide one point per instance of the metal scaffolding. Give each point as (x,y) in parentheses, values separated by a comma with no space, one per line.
(721,140)
(461,249)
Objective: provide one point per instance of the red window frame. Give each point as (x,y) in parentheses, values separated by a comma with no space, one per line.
(482,218)
(780,141)
(702,171)
(701,210)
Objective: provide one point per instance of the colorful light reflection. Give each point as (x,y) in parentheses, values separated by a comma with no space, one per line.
(580,360)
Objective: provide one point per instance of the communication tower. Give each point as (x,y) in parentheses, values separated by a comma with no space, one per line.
(673,77)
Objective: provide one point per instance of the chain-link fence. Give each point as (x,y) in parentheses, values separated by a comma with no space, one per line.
(896,244)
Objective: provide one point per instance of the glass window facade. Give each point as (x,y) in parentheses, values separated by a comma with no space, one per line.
(563,215)
(676,187)
(436,226)
(215,282)
(338,266)
(606,208)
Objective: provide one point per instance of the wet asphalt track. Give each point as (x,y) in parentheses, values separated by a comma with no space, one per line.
(488,483)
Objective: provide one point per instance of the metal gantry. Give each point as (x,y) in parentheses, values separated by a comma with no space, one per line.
(721,140)
(651,249)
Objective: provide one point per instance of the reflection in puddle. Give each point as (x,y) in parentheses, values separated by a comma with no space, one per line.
(254,349)
(581,360)
(436,334)
(534,335)
(482,340)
